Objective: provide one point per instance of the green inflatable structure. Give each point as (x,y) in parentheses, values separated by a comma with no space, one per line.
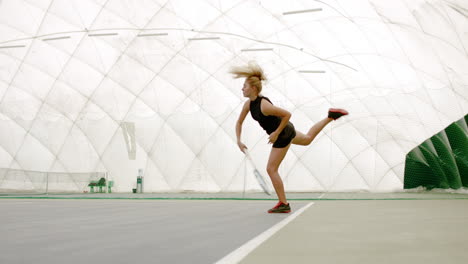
(441,161)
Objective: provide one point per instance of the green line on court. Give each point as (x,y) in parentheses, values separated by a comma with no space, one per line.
(232,199)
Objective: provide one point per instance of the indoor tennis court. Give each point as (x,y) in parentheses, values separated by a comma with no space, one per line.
(233,131)
(323,228)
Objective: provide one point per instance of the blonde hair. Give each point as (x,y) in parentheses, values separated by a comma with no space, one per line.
(252,73)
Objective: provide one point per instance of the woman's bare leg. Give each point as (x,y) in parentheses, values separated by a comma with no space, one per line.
(305,140)
(276,157)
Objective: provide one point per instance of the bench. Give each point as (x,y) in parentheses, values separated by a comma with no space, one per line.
(101,183)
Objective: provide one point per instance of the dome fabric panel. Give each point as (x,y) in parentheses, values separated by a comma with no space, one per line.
(72,74)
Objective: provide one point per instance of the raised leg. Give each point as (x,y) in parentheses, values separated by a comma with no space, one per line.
(306,139)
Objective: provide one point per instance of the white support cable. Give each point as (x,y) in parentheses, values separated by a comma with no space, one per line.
(312,71)
(103,34)
(153,35)
(265,49)
(12,47)
(302,11)
(57,38)
(210,38)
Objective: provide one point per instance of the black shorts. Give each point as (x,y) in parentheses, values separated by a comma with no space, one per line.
(286,136)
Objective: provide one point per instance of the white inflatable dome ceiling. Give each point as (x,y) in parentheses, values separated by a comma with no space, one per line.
(113,86)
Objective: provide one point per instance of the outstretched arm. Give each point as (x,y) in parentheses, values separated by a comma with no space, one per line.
(269,109)
(240,121)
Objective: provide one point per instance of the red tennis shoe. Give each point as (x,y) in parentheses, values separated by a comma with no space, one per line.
(336,113)
(280,207)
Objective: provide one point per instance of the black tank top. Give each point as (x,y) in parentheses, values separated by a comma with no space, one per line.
(269,123)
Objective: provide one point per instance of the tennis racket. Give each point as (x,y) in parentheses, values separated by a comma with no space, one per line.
(258,175)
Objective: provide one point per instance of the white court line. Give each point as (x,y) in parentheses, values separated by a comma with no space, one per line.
(321,195)
(240,253)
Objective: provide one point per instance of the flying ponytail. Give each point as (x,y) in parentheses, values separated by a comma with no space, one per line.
(252,72)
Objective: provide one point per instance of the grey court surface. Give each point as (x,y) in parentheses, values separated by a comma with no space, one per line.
(204,228)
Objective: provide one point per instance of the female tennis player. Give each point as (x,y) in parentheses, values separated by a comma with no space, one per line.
(275,121)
